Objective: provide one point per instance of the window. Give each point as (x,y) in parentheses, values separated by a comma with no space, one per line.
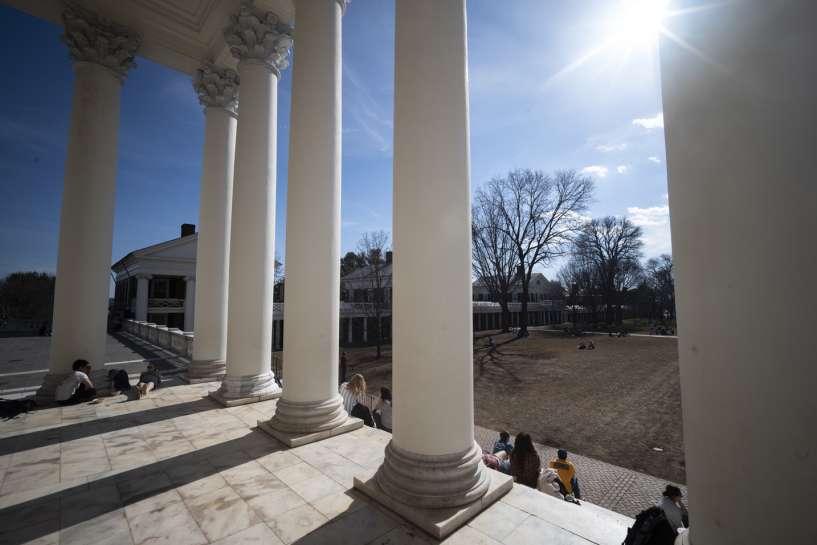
(481,297)
(159,289)
(538,283)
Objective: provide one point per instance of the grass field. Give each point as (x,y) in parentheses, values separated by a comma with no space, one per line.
(614,404)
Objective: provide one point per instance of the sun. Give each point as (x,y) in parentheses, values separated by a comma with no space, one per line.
(641,19)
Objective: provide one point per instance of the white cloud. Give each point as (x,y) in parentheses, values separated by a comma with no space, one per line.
(651,122)
(656,159)
(601,171)
(652,216)
(621,169)
(617,147)
(665,195)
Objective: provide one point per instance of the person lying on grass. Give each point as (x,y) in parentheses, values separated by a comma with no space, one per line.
(148,380)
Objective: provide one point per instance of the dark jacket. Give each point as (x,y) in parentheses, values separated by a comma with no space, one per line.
(151,376)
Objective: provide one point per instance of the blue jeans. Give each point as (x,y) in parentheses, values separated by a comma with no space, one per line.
(574,484)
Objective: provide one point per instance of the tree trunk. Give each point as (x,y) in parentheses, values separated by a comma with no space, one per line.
(523,314)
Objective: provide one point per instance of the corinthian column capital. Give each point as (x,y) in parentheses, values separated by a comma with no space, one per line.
(95,39)
(258,38)
(217,88)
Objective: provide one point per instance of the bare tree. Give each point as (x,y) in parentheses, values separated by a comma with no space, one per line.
(660,280)
(278,285)
(371,285)
(613,246)
(494,256)
(540,215)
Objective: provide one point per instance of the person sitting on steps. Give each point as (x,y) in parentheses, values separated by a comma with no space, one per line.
(353,392)
(148,380)
(674,509)
(525,462)
(384,407)
(567,474)
(503,446)
(75,387)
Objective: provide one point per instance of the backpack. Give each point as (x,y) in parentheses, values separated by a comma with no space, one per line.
(11,408)
(362,411)
(121,381)
(651,528)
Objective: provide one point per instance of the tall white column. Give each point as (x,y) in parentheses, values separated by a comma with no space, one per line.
(310,401)
(739,115)
(365,329)
(103,53)
(218,92)
(351,336)
(260,43)
(189,303)
(432,462)
(142,288)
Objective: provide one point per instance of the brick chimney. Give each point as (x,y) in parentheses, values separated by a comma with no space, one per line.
(188,229)
(388,257)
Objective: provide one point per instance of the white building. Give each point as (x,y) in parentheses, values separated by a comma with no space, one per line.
(541,311)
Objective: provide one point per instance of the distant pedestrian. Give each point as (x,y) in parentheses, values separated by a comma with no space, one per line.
(75,387)
(343,361)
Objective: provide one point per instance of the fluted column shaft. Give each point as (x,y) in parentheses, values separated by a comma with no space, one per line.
(313,224)
(189,303)
(218,91)
(88,195)
(432,461)
(142,287)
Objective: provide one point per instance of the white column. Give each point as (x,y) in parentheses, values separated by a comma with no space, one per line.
(218,92)
(88,194)
(365,329)
(432,462)
(351,336)
(260,43)
(739,115)
(189,303)
(310,401)
(142,288)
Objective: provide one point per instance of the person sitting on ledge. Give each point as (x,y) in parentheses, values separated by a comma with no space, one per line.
(76,387)
(353,392)
(148,380)
(674,509)
(525,463)
(567,474)
(591,346)
(383,406)
(503,445)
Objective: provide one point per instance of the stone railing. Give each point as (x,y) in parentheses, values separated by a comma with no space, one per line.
(166,303)
(488,306)
(171,339)
(277,307)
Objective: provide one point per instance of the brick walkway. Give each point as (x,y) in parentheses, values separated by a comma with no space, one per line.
(621,490)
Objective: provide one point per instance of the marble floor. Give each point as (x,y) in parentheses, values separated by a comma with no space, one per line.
(177,468)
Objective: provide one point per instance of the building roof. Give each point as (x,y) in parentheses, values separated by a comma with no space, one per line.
(369,270)
(517,281)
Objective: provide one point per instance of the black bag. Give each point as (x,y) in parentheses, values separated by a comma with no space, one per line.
(362,411)
(121,381)
(651,528)
(11,408)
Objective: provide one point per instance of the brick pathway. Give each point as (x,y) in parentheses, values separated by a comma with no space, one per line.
(621,490)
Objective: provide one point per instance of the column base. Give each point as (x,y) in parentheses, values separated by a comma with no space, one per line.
(293,440)
(433,481)
(236,401)
(205,371)
(440,523)
(293,417)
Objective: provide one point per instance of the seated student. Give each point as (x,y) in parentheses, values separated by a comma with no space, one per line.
(674,509)
(383,406)
(503,444)
(581,346)
(353,392)
(652,331)
(567,473)
(76,386)
(591,346)
(525,463)
(44,330)
(496,463)
(150,379)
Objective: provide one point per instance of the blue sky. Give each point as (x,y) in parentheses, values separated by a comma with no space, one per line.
(553,84)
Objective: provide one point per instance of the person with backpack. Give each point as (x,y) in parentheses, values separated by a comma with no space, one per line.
(567,473)
(674,508)
(76,386)
(148,380)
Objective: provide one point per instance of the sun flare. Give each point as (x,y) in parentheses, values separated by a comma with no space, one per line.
(641,19)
